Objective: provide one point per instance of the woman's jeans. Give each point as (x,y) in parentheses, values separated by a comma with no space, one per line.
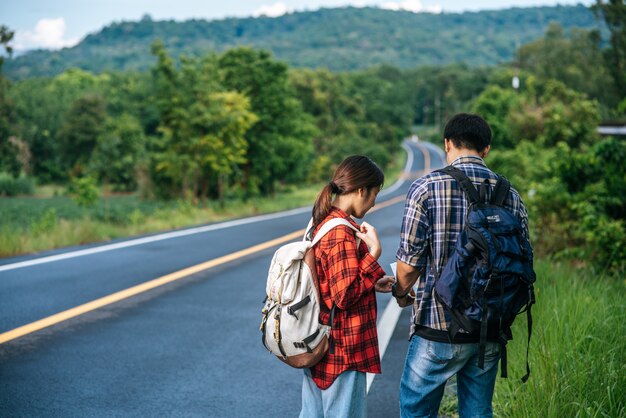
(345,398)
(430,364)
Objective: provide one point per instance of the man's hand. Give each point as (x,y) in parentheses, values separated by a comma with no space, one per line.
(384,284)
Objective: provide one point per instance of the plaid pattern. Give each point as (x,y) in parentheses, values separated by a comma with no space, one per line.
(347,278)
(434,215)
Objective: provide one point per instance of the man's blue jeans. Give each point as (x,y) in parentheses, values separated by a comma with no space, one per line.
(428,367)
(345,398)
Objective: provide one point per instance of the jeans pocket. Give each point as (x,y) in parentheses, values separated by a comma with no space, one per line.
(440,352)
(492,352)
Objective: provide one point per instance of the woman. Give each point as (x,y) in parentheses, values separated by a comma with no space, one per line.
(348,277)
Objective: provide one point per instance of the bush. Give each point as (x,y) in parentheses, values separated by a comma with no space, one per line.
(572,181)
(11,186)
(84,191)
(46,223)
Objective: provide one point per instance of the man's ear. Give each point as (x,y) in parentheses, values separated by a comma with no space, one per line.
(486,151)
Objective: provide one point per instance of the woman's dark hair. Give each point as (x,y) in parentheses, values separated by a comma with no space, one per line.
(355,172)
(468,131)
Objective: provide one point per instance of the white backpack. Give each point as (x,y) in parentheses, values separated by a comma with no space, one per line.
(290,325)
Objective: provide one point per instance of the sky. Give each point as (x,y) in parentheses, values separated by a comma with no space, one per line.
(54,24)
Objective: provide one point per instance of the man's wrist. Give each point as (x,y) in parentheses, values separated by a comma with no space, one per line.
(395,294)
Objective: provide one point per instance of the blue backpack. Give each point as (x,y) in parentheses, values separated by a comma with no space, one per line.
(488,279)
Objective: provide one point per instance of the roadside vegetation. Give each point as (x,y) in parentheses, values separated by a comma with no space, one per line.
(32,224)
(577,352)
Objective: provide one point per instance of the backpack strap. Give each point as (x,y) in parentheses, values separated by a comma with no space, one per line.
(464,182)
(484,189)
(501,191)
(333,223)
(308,232)
(529,318)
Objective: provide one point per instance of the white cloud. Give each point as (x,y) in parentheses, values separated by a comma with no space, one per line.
(47,34)
(272,10)
(414,6)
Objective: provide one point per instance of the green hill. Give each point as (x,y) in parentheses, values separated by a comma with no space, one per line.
(339,39)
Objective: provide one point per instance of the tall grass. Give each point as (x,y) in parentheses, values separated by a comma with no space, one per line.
(577,352)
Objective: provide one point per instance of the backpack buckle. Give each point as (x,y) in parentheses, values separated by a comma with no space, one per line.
(291,312)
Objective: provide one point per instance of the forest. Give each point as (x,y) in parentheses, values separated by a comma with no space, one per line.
(339,39)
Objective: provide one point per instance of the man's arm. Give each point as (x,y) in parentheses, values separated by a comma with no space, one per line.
(406,276)
(413,244)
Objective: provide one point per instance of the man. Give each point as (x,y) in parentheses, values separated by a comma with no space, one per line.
(434,216)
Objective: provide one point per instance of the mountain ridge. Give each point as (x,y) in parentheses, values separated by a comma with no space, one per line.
(339,39)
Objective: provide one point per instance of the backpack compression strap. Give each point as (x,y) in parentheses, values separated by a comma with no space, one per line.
(501,191)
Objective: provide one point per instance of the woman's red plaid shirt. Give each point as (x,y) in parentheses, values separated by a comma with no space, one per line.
(347,277)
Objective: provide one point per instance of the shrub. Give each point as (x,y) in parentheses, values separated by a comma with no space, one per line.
(11,186)
(84,191)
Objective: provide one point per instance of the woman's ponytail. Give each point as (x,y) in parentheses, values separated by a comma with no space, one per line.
(323,203)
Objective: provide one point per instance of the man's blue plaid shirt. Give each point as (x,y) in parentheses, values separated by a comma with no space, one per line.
(434,215)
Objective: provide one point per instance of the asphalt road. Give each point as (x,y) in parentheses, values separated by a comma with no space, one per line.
(188,348)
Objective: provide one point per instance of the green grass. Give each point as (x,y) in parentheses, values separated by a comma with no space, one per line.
(32,224)
(577,351)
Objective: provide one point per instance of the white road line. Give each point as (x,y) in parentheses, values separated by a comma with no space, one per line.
(407,169)
(386,326)
(185,232)
(391,315)
(154,238)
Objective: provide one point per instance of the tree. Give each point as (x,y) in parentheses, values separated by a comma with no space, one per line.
(8,151)
(495,104)
(567,116)
(280,147)
(84,123)
(614,14)
(42,106)
(367,112)
(6,36)
(580,62)
(203,127)
(118,152)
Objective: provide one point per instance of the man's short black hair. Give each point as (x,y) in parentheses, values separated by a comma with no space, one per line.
(469,131)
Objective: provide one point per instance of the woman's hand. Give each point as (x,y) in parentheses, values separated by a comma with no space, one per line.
(369,235)
(384,284)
